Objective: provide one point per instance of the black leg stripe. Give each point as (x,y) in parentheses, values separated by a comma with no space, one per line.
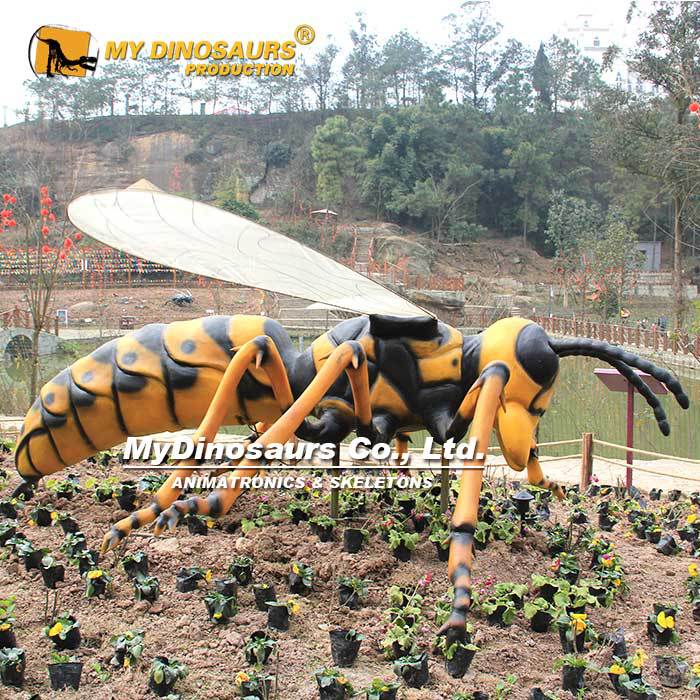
(464,528)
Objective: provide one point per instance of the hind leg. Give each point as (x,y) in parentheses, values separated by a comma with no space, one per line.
(260,351)
(536,476)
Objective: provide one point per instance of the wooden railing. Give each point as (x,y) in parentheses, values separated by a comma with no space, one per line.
(635,336)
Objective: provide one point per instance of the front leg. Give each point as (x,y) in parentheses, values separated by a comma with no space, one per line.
(488,389)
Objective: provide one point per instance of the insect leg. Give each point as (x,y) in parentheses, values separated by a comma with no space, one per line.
(490,388)
(260,351)
(348,357)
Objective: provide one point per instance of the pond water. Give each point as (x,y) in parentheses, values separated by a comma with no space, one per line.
(581,403)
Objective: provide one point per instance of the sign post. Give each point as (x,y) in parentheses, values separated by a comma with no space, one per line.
(614,381)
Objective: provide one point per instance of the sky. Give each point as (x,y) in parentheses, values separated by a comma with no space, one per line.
(151,20)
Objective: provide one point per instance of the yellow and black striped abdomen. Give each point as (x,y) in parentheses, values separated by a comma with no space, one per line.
(161,377)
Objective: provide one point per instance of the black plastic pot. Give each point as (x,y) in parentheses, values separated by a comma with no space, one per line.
(579,518)
(8,534)
(88,561)
(653,536)
(66,675)
(386,695)
(8,510)
(674,495)
(332,691)
(13,675)
(33,560)
(225,613)
(348,597)
(416,677)
(72,640)
(299,515)
(278,617)
(164,688)
(243,573)
(250,657)
(69,525)
(127,497)
(151,594)
(263,596)
(571,576)
(667,545)
(323,532)
(540,621)
(353,539)
(443,553)
(496,617)
(8,640)
(344,651)
(605,522)
(53,575)
(577,646)
(402,553)
(297,585)
(134,569)
(593,490)
(672,672)
(459,664)
(227,587)
(184,583)
(662,638)
(407,504)
(196,526)
(572,678)
(43,517)
(99,587)
(548,592)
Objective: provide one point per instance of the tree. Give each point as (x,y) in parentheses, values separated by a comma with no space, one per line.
(404,65)
(531,172)
(542,78)
(318,75)
(472,56)
(335,152)
(361,68)
(667,55)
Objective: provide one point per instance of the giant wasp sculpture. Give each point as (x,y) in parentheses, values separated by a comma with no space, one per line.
(381,376)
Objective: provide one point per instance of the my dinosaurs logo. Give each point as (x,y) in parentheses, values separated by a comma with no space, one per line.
(61,51)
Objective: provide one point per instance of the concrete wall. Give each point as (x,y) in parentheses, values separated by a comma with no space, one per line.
(48,343)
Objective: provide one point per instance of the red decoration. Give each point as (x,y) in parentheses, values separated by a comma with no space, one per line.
(45,249)
(45,230)
(78,236)
(68,244)
(694,106)
(62,255)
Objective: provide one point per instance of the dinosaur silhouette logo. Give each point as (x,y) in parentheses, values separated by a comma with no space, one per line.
(61,51)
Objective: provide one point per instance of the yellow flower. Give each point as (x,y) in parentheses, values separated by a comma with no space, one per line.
(31,522)
(127,662)
(295,608)
(295,569)
(640,656)
(210,524)
(207,576)
(616,669)
(692,570)
(4,626)
(95,573)
(342,680)
(696,669)
(617,582)
(54,515)
(242,677)
(578,621)
(665,621)
(691,518)
(216,615)
(56,629)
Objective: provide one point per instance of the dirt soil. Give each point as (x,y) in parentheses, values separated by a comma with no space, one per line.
(177,625)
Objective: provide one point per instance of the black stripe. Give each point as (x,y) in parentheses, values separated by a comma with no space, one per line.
(74,413)
(168,386)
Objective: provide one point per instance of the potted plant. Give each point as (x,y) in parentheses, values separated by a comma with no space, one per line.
(673,671)
(278,614)
(41,515)
(653,534)
(399,639)
(128,648)
(104,489)
(301,578)
(413,670)
(557,539)
(458,655)
(547,587)
(352,591)
(30,555)
(164,674)
(97,582)
(440,537)
(322,526)
(126,495)
(186,579)
(51,571)
(567,566)
(8,508)
(694,682)
(637,689)
(254,685)
(661,624)
(146,588)
(242,570)
(345,645)
(667,545)
(402,543)
(379,689)
(332,684)
(8,530)
(499,610)
(504,529)
(135,564)
(299,510)
(64,671)
(540,613)
(227,587)
(574,632)
(86,560)
(481,535)
(220,608)
(12,663)
(353,539)
(73,543)
(64,488)
(67,523)
(259,648)
(264,593)
(7,623)
(572,671)
(64,632)
(196,524)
